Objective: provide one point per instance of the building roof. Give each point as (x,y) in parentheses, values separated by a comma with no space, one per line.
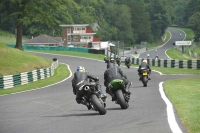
(73,25)
(44,39)
(95,26)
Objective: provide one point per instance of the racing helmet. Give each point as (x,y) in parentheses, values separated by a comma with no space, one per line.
(112,59)
(144,61)
(80,69)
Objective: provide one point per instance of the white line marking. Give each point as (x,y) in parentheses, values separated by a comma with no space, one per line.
(170,113)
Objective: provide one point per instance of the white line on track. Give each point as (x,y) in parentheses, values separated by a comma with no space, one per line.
(170,113)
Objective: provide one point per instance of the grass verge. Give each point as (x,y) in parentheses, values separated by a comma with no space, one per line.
(61,73)
(185,96)
(14,61)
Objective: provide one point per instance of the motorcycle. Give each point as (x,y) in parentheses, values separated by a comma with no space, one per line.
(121,97)
(92,96)
(118,62)
(145,76)
(128,64)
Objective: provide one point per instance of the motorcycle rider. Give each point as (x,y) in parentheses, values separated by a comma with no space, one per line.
(118,60)
(127,60)
(144,65)
(111,62)
(156,57)
(148,55)
(106,59)
(80,78)
(114,72)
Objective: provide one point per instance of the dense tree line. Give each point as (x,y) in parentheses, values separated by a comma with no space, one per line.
(129,21)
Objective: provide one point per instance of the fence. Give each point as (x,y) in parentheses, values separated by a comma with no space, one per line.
(191,64)
(11,81)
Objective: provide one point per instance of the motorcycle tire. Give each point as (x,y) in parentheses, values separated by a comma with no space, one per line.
(97,105)
(144,81)
(120,99)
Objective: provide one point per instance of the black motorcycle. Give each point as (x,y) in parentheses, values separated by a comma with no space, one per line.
(145,76)
(128,64)
(118,62)
(92,96)
(117,88)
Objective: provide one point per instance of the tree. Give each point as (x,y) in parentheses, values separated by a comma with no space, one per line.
(140,22)
(159,17)
(27,12)
(119,16)
(194,24)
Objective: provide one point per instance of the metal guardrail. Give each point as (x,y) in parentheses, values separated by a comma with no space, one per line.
(11,81)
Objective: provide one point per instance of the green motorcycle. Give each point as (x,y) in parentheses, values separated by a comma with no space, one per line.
(117,88)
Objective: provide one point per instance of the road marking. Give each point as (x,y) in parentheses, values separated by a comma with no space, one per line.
(170,113)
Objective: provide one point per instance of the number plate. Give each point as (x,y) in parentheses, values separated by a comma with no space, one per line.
(144,73)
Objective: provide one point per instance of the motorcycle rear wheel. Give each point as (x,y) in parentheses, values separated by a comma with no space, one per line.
(144,81)
(97,105)
(121,100)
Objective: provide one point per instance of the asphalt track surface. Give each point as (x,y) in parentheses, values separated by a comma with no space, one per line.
(161,51)
(53,109)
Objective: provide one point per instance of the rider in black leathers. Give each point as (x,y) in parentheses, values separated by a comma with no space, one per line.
(127,60)
(106,59)
(118,60)
(114,72)
(144,65)
(111,62)
(80,78)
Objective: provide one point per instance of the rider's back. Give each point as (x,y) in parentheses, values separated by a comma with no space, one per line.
(113,73)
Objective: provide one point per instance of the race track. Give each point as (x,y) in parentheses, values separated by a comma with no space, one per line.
(54,110)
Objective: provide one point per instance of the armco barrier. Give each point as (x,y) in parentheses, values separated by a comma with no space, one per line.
(190,64)
(11,81)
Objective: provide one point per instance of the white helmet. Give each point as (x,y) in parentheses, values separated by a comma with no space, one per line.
(144,61)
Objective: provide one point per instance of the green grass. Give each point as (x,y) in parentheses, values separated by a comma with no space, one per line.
(14,61)
(78,54)
(185,96)
(60,73)
(177,55)
(8,38)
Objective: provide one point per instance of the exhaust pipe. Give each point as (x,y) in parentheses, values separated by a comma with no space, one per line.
(87,88)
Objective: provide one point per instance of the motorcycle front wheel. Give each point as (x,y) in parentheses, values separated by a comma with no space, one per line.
(97,105)
(121,100)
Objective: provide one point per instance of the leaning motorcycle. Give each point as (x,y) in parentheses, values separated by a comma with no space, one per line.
(145,76)
(128,64)
(117,87)
(118,62)
(92,96)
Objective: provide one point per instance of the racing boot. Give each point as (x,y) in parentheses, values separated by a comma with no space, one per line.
(127,88)
(84,102)
(102,95)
